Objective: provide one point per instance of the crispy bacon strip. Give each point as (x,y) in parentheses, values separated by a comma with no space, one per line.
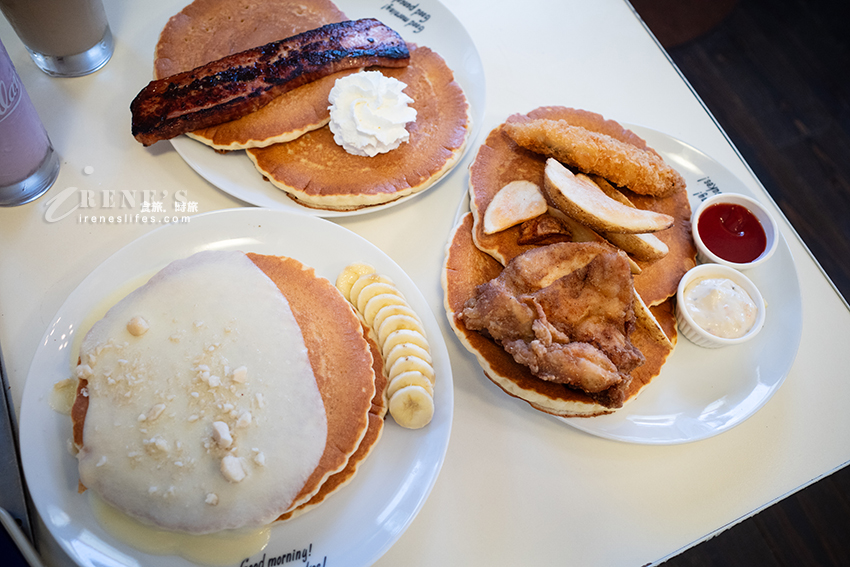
(241,83)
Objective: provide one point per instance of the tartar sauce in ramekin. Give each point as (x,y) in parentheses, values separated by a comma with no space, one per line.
(720,307)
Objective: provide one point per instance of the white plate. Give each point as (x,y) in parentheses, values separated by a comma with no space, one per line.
(704,392)
(353,527)
(234,173)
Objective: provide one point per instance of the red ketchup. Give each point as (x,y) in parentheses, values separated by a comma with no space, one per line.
(732,232)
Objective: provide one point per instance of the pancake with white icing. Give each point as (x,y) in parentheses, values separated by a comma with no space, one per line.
(203,403)
(373,434)
(340,356)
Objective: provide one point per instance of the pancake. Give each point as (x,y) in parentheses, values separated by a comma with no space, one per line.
(340,356)
(207,30)
(465,268)
(318,173)
(659,279)
(264,447)
(373,433)
(500,160)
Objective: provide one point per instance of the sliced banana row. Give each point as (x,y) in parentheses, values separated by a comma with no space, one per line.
(401,338)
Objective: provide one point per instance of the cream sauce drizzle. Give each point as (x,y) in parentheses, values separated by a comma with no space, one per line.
(221,548)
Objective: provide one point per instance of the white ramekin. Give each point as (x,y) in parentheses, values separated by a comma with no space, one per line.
(771,231)
(697,334)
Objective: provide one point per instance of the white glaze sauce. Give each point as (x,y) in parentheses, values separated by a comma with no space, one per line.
(211,418)
(220,548)
(721,307)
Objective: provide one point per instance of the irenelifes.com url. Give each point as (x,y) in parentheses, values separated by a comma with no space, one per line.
(137,218)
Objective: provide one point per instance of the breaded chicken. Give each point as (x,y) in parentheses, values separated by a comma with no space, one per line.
(566,312)
(620,163)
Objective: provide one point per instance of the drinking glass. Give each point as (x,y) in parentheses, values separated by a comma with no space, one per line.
(28,164)
(65,38)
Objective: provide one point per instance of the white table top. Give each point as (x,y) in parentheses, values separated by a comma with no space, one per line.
(518,487)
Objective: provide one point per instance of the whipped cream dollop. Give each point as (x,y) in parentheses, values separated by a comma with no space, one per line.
(369,113)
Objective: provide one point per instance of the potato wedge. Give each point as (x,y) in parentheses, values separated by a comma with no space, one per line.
(647,320)
(584,201)
(645,246)
(610,190)
(515,203)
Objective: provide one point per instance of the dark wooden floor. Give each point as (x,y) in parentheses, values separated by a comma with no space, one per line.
(776,75)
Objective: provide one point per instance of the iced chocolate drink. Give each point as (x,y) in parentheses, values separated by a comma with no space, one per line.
(64,37)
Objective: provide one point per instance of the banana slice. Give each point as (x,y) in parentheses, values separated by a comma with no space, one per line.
(408,363)
(377,303)
(364,281)
(396,322)
(412,407)
(407,349)
(403,336)
(410,378)
(388,310)
(373,289)
(349,275)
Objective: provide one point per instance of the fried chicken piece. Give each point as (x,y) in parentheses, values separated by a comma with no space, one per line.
(565,311)
(591,152)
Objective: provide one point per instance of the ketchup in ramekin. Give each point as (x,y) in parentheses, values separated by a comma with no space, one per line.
(732,232)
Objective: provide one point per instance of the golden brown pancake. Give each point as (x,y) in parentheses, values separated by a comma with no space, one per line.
(373,434)
(207,30)
(659,279)
(316,172)
(500,161)
(465,268)
(339,354)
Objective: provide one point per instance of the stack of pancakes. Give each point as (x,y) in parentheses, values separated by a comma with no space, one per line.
(288,140)
(318,310)
(473,258)
(346,373)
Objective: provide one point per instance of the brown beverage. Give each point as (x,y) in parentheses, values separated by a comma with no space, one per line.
(64,37)
(56,27)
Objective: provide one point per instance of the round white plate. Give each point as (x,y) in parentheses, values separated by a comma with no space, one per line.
(704,392)
(234,173)
(353,527)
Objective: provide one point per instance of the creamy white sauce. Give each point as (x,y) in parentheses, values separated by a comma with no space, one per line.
(369,113)
(220,548)
(62,396)
(720,307)
(97,313)
(150,446)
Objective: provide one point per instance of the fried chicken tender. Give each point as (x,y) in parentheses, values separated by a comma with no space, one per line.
(591,152)
(566,312)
